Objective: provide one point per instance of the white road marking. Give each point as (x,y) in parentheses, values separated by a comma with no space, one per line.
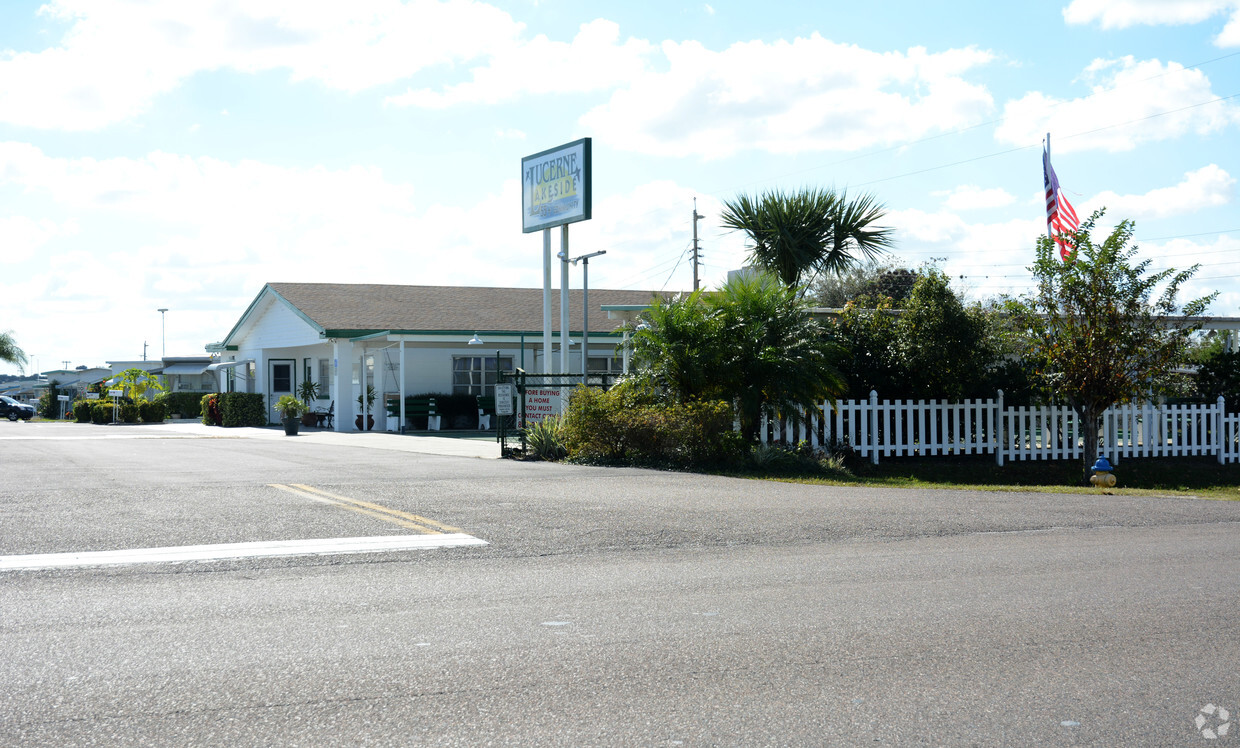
(222,551)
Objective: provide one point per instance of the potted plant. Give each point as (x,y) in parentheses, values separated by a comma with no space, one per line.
(308,391)
(370,409)
(290,410)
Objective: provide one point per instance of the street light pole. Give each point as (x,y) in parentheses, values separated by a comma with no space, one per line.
(585,312)
(163,334)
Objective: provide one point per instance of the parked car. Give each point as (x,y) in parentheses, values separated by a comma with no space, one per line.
(11,409)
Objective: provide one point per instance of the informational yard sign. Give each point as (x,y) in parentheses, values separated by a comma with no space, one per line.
(555,186)
(539,404)
(504,394)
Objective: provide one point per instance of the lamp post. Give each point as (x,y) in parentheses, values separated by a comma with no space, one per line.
(585,311)
(163,334)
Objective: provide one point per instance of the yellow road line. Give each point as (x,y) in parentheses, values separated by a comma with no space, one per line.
(373,510)
(425,521)
(404,519)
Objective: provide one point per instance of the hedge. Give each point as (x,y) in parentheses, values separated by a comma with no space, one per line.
(243,409)
(100,411)
(151,411)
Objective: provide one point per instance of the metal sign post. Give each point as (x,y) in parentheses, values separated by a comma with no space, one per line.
(116,401)
(555,191)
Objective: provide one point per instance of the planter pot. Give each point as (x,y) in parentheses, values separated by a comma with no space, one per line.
(370,422)
(309,419)
(291,425)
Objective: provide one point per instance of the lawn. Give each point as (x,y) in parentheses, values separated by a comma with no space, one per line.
(1188,476)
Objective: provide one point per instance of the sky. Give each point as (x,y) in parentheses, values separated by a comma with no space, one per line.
(158,154)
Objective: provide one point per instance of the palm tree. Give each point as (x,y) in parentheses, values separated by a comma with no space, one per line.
(808,232)
(753,343)
(9,352)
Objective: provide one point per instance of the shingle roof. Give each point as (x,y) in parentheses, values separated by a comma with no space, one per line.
(365,306)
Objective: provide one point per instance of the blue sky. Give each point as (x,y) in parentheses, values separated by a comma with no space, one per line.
(181,155)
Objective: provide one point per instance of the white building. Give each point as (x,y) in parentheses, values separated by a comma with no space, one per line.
(406,339)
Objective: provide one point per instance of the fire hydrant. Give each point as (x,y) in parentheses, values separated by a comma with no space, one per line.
(1102,477)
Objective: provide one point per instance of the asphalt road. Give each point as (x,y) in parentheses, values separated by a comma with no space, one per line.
(608,607)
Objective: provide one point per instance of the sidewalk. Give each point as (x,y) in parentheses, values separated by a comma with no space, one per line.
(437,445)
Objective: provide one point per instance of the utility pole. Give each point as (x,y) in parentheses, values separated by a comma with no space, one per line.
(696,217)
(144,350)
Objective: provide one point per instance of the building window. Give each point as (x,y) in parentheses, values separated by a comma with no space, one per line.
(605,364)
(475,375)
(604,369)
(325,378)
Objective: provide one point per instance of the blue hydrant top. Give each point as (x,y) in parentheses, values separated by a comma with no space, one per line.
(1103,465)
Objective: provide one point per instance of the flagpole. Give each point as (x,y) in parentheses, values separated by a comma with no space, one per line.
(1046,176)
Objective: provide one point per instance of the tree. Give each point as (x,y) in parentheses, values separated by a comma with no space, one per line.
(137,382)
(1096,333)
(10,353)
(675,347)
(869,279)
(808,232)
(753,344)
(1218,375)
(935,348)
(943,343)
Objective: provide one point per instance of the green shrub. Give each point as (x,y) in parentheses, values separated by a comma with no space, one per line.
(129,412)
(151,411)
(627,423)
(546,439)
(101,412)
(242,409)
(209,407)
(83,409)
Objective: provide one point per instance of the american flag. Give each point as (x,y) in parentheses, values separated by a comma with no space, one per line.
(1061,220)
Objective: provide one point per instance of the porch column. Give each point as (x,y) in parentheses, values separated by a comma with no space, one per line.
(400,427)
(342,384)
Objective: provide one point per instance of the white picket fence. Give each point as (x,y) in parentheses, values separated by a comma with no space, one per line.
(926,428)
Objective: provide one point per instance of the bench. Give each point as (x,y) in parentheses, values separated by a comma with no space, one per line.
(486,409)
(418,407)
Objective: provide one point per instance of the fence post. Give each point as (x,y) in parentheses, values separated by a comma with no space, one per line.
(1218,430)
(996,432)
(873,415)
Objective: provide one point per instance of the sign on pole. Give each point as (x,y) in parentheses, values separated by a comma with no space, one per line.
(503,399)
(555,186)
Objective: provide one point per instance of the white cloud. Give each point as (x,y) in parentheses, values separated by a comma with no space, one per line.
(789,97)
(1149,101)
(1121,14)
(972,197)
(593,61)
(23,236)
(1207,187)
(116,57)
(1217,272)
